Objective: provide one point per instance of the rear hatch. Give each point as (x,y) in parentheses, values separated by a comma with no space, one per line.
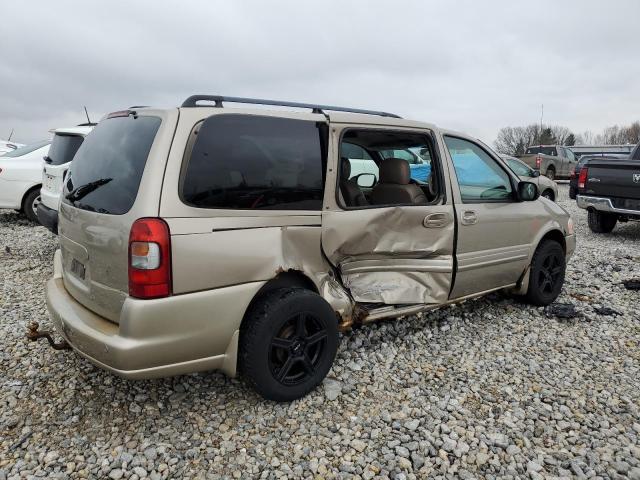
(618,179)
(102,197)
(62,150)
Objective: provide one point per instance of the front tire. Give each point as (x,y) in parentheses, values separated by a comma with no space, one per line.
(548,193)
(547,273)
(601,222)
(288,342)
(30,205)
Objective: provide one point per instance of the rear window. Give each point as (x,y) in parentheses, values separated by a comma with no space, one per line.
(27,149)
(105,174)
(256,162)
(543,150)
(63,148)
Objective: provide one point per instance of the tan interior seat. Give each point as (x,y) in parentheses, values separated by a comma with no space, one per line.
(353,196)
(394,186)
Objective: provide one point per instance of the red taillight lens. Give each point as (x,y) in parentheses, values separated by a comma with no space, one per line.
(582,178)
(538,162)
(149,259)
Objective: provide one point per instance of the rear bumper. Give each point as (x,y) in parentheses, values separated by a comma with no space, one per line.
(603,204)
(155,338)
(48,217)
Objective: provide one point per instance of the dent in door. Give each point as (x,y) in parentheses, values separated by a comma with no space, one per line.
(396,258)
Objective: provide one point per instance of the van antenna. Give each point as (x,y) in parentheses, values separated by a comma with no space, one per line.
(10,135)
(87,114)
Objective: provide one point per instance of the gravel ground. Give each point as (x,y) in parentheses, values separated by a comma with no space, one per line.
(490,389)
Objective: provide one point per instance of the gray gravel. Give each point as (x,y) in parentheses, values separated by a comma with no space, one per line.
(490,388)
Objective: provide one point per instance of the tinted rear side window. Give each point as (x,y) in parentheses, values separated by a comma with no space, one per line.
(63,148)
(105,174)
(256,162)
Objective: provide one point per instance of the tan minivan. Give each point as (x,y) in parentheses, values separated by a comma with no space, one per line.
(214,237)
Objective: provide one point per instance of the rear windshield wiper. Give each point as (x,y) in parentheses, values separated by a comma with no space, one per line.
(47,159)
(86,189)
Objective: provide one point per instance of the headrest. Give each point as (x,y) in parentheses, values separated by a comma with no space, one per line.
(345,166)
(395,170)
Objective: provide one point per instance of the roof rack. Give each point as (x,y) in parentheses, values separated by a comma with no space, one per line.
(193,100)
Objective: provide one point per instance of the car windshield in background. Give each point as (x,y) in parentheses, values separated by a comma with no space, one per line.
(26,149)
(63,148)
(106,172)
(543,150)
(519,168)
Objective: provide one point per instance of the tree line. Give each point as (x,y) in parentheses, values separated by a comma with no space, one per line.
(516,140)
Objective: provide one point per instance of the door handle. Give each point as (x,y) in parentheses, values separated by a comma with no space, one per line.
(469,217)
(436,220)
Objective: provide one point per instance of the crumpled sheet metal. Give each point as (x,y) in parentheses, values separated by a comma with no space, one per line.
(376,232)
(388,256)
(397,288)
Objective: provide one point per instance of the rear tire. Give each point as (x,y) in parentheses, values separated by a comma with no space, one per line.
(601,222)
(551,173)
(30,205)
(572,193)
(288,342)
(546,276)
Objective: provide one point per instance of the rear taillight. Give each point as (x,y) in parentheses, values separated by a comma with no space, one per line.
(149,259)
(538,162)
(582,179)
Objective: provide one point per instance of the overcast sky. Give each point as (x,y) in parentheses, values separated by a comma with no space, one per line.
(473,66)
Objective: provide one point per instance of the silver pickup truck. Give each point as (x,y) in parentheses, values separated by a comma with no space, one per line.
(553,161)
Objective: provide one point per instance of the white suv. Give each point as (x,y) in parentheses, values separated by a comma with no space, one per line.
(64,146)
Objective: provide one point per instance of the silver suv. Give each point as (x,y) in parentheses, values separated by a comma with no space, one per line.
(209,237)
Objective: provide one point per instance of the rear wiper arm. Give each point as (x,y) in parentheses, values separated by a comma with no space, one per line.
(47,159)
(86,189)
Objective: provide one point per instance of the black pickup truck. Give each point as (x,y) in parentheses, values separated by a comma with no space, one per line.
(609,189)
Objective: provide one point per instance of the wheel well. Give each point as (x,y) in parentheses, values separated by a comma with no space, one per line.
(551,167)
(24,197)
(284,279)
(556,236)
(551,194)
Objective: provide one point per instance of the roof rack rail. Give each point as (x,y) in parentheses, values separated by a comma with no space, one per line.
(193,100)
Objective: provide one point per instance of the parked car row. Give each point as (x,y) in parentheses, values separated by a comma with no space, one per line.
(240,239)
(31,176)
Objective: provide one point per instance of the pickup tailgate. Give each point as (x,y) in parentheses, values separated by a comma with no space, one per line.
(614,178)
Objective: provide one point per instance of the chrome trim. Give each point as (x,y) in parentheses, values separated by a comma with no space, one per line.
(603,205)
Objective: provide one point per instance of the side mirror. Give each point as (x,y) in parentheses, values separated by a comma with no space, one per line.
(366,180)
(536,173)
(527,191)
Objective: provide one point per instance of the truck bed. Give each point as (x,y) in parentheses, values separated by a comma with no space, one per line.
(619,179)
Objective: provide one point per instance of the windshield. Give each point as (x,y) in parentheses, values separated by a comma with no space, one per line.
(63,148)
(27,149)
(105,174)
(519,168)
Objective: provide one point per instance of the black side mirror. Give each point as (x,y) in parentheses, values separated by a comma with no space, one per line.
(536,173)
(527,191)
(366,180)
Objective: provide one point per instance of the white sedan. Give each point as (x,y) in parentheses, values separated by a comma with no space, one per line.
(21,178)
